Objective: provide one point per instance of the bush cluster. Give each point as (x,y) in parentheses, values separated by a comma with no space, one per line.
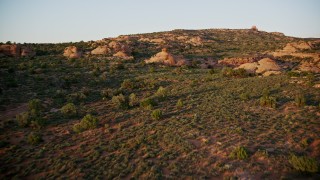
(69,110)
(239,153)
(304,164)
(87,122)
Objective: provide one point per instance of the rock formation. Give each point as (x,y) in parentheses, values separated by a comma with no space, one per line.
(122,55)
(101,50)
(72,52)
(27,52)
(16,51)
(164,57)
(310,66)
(233,62)
(265,66)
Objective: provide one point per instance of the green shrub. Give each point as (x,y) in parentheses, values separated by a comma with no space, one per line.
(268,102)
(211,71)
(69,110)
(156,114)
(229,72)
(127,84)
(37,122)
(304,164)
(244,96)
(23,119)
(239,153)
(35,105)
(148,103)
(106,93)
(34,138)
(179,103)
(120,101)
(133,100)
(87,122)
(300,100)
(162,92)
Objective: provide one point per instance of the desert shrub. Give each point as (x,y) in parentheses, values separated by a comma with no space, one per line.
(162,93)
(33,117)
(300,100)
(106,93)
(133,100)
(304,164)
(211,71)
(151,69)
(87,122)
(148,103)
(23,119)
(34,138)
(69,110)
(120,101)
(116,66)
(37,122)
(35,105)
(127,84)
(239,153)
(229,72)
(156,114)
(76,97)
(268,101)
(244,96)
(179,103)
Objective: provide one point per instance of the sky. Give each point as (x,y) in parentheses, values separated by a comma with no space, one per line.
(54,21)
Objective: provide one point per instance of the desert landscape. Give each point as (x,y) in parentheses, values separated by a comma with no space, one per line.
(211,103)
(206,103)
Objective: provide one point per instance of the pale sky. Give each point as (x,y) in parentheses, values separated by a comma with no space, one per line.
(75,20)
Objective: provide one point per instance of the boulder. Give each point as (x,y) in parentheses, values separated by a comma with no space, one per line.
(267,64)
(164,57)
(196,41)
(15,50)
(101,50)
(10,50)
(117,46)
(122,55)
(72,52)
(249,67)
(268,73)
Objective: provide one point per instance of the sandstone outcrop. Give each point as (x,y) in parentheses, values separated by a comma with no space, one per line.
(16,51)
(101,50)
(72,52)
(265,66)
(310,66)
(27,52)
(122,55)
(233,62)
(164,57)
